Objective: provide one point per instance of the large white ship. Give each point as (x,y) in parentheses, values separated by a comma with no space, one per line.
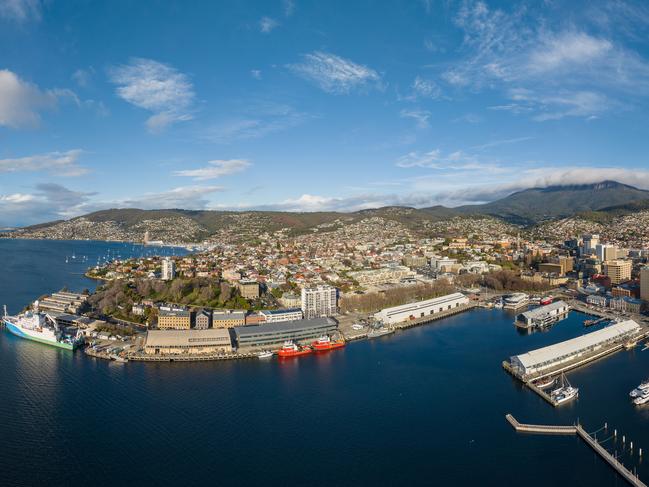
(516,301)
(40,328)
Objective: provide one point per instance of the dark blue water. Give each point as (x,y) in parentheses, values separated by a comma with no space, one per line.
(31,268)
(422,407)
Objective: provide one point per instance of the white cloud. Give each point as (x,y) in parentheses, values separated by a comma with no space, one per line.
(157,88)
(20,10)
(425,88)
(255,73)
(56,163)
(289,7)
(419,116)
(48,202)
(568,49)
(454,161)
(185,197)
(566,70)
(267,24)
(215,169)
(335,74)
(262,119)
(21,101)
(82,77)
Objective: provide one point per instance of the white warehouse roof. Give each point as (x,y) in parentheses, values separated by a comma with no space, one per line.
(421,304)
(535,358)
(541,311)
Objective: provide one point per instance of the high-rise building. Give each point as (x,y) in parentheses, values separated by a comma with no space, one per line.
(644,283)
(168,270)
(319,301)
(618,271)
(606,252)
(590,243)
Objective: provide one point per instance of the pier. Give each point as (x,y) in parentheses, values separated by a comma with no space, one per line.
(437,316)
(140,357)
(584,435)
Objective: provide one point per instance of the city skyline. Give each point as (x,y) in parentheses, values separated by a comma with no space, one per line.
(298,106)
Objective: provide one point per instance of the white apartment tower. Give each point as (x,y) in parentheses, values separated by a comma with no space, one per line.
(319,301)
(168,270)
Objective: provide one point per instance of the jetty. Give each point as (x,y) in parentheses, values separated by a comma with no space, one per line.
(434,317)
(578,430)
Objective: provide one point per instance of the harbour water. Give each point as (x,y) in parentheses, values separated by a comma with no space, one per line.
(424,406)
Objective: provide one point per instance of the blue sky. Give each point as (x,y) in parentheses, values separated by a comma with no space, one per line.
(307,105)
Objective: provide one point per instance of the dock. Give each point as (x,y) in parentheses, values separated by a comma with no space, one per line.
(437,316)
(141,357)
(578,430)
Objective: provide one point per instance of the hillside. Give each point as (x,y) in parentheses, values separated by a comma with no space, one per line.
(595,202)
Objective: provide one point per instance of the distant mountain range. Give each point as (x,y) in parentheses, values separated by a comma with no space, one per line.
(534,205)
(527,208)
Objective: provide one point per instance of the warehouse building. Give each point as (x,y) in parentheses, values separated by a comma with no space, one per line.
(420,309)
(273,335)
(196,342)
(543,316)
(547,357)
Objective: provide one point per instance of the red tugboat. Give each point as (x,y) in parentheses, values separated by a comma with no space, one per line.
(290,349)
(325,343)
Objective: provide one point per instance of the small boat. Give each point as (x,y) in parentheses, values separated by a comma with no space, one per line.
(642,399)
(325,343)
(265,354)
(630,344)
(290,349)
(379,332)
(498,304)
(545,383)
(566,392)
(638,391)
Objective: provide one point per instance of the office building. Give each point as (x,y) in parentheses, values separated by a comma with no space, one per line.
(281,315)
(644,283)
(606,252)
(273,335)
(590,243)
(618,271)
(174,319)
(228,319)
(319,301)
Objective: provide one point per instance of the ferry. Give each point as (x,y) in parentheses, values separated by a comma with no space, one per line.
(41,328)
(565,392)
(265,354)
(638,391)
(290,349)
(325,343)
(516,301)
(642,399)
